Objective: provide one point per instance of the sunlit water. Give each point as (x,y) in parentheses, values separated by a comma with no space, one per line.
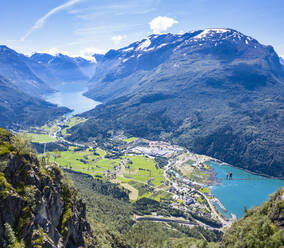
(235,195)
(71,95)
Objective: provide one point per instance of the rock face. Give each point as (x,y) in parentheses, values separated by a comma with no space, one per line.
(215,91)
(37,206)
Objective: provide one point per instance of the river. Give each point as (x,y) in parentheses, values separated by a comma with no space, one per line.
(245,190)
(71,95)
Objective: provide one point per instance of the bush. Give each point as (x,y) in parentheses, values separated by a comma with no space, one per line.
(22,144)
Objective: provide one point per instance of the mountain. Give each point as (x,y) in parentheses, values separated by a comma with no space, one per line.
(41,71)
(19,110)
(216,91)
(14,68)
(282,61)
(261,227)
(65,68)
(98,57)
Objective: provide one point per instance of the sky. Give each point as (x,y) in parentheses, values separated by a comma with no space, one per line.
(84,27)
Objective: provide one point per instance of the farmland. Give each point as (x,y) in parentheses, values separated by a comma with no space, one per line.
(138,174)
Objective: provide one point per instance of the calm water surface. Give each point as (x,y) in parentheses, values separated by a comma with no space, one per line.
(237,194)
(71,95)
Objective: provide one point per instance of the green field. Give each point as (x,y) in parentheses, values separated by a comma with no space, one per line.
(129,140)
(142,169)
(71,123)
(49,129)
(41,138)
(85,162)
(101,152)
(205,190)
(143,191)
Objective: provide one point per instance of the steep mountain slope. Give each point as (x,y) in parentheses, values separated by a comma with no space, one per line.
(18,110)
(41,71)
(201,54)
(215,91)
(14,68)
(38,208)
(261,227)
(65,68)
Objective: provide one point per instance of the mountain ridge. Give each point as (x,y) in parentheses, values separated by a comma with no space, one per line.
(40,73)
(14,68)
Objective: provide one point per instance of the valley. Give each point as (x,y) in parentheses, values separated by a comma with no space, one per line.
(156,170)
(170,141)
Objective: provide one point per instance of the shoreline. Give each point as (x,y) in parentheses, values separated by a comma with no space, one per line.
(221,163)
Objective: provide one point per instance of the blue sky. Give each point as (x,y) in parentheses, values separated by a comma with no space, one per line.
(81,27)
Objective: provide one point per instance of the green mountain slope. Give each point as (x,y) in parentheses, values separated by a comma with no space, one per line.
(216,92)
(262,227)
(19,110)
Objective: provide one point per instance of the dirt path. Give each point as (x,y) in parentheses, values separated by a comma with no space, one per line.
(133,192)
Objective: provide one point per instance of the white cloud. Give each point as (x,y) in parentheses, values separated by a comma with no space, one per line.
(117,38)
(53,51)
(40,22)
(161,23)
(88,53)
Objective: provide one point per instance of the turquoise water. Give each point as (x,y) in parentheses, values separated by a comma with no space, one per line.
(71,95)
(237,194)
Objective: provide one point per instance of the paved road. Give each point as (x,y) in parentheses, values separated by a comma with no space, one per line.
(212,208)
(160,219)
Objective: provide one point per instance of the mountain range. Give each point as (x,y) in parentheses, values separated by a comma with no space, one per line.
(40,73)
(216,91)
(14,67)
(24,80)
(63,67)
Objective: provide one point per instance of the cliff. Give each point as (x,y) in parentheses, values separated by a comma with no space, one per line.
(38,207)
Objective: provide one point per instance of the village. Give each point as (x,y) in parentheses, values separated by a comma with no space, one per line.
(152,169)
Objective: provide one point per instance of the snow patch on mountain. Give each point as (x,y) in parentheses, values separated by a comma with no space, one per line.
(144,44)
(211,32)
(128,49)
(162,45)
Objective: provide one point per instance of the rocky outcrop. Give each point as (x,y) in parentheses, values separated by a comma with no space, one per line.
(38,207)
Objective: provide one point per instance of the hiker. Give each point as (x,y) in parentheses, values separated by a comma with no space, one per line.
(231,175)
(227,176)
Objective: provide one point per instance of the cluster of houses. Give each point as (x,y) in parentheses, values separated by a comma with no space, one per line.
(156,148)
